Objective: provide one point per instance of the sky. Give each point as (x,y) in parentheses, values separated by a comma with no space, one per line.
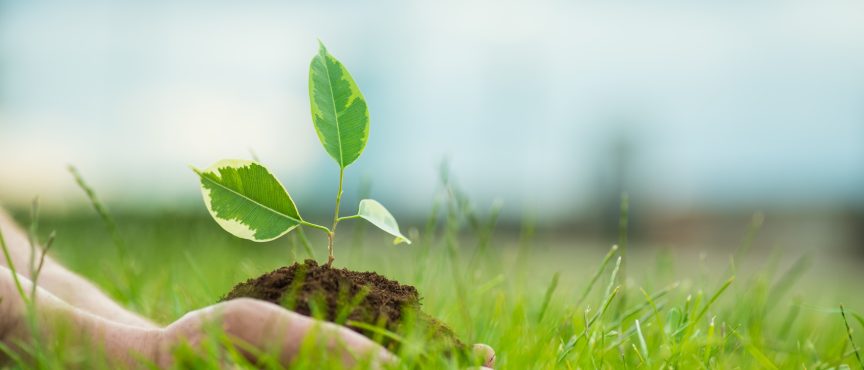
(743,104)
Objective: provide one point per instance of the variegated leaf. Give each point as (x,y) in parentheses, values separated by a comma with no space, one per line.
(374,212)
(247,200)
(338,109)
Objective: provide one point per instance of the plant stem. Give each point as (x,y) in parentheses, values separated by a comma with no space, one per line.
(331,232)
(315,226)
(332,235)
(329,239)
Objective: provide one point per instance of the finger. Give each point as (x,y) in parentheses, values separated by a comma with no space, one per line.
(66,326)
(261,325)
(352,346)
(486,353)
(59,281)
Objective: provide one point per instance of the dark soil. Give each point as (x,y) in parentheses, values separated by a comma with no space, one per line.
(333,294)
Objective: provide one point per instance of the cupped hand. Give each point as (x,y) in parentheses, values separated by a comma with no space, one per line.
(261,324)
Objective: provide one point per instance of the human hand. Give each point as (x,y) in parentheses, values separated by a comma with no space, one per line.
(128,338)
(261,324)
(254,326)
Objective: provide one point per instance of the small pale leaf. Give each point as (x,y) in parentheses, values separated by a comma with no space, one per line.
(338,108)
(374,212)
(247,200)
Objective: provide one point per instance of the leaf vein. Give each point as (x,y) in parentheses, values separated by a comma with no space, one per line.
(205,178)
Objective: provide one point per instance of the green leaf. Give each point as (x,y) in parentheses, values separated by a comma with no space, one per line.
(375,213)
(338,109)
(247,200)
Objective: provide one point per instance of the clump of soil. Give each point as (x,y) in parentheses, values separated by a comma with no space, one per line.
(344,296)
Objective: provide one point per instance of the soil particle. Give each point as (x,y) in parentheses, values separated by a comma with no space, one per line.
(343,296)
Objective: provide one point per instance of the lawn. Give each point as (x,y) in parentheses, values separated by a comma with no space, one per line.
(542,303)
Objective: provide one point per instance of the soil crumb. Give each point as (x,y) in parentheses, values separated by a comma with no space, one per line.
(346,297)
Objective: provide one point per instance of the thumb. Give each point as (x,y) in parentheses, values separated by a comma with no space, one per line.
(486,353)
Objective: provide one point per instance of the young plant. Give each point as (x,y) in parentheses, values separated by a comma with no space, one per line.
(249,202)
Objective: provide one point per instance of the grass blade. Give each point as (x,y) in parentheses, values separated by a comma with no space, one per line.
(782,286)
(11,266)
(346,309)
(858,318)
(376,329)
(642,344)
(612,278)
(763,360)
(100,209)
(597,274)
(713,299)
(849,334)
(549,291)
(571,343)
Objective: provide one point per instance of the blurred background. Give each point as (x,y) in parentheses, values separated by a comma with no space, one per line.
(707,114)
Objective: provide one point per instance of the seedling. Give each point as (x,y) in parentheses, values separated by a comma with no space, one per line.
(249,202)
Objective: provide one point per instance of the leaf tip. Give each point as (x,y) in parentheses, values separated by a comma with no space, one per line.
(399,240)
(195,169)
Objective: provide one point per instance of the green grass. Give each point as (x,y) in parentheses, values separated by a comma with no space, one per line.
(542,304)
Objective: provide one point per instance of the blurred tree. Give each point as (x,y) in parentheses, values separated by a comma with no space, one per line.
(615,172)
